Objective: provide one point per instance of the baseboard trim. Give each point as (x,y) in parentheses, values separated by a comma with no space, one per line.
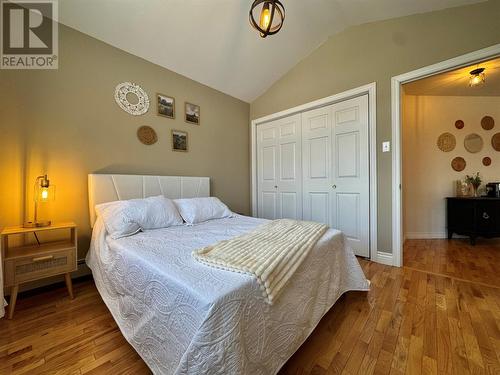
(425,235)
(429,235)
(384,258)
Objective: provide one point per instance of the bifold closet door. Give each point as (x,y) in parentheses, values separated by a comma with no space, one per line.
(279,174)
(350,170)
(335,169)
(316,165)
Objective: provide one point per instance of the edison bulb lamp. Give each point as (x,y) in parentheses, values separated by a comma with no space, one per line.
(271,18)
(43,193)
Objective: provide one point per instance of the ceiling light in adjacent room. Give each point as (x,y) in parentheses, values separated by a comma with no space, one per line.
(272,16)
(477,77)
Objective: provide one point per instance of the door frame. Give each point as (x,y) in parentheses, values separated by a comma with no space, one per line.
(396,101)
(369,89)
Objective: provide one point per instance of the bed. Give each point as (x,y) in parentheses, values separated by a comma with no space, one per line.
(183,317)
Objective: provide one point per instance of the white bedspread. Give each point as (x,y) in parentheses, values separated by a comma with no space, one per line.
(183,317)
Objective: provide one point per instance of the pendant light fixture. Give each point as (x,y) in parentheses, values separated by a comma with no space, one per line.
(272,16)
(477,77)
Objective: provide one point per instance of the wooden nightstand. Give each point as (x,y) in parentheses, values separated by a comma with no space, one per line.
(34,262)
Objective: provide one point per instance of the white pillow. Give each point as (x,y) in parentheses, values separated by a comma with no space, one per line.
(156,212)
(197,210)
(118,218)
(125,218)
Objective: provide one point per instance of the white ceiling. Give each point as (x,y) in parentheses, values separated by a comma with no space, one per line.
(211,41)
(456,82)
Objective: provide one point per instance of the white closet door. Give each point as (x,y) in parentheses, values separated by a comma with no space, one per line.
(350,169)
(316,165)
(279,169)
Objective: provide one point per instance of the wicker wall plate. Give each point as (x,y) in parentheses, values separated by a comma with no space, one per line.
(446,142)
(458,164)
(147,135)
(495,141)
(473,143)
(459,124)
(486,161)
(487,123)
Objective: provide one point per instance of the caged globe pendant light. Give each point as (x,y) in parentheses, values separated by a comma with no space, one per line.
(272,16)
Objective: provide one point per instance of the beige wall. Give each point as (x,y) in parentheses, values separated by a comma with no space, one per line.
(66,123)
(377,52)
(427,174)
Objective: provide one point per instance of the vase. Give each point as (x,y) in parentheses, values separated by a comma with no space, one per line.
(475,189)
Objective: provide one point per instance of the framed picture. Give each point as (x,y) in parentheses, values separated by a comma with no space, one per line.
(179,140)
(192,113)
(166,106)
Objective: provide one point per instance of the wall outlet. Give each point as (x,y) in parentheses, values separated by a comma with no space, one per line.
(386,146)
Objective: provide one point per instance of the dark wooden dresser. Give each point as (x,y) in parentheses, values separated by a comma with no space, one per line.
(473,217)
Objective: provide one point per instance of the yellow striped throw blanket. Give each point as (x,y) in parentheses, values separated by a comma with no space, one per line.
(272,252)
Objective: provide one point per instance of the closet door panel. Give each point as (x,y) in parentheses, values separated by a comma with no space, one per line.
(279,185)
(269,208)
(319,203)
(350,182)
(290,174)
(316,164)
(267,171)
(347,214)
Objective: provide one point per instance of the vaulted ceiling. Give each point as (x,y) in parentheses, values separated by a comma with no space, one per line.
(211,41)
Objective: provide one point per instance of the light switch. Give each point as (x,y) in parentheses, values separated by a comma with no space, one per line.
(386,146)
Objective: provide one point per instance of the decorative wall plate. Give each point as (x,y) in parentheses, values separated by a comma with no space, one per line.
(487,123)
(486,161)
(458,164)
(495,142)
(124,89)
(473,143)
(147,135)
(446,142)
(459,124)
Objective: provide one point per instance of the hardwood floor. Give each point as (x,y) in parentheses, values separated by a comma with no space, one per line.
(457,258)
(438,315)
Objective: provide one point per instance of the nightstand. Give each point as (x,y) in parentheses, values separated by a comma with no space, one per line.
(37,261)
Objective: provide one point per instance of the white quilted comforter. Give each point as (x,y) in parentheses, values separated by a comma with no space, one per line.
(183,317)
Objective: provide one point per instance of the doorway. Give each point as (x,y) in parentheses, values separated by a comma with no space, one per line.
(466,61)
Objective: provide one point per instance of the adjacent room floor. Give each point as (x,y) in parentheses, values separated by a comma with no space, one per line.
(440,314)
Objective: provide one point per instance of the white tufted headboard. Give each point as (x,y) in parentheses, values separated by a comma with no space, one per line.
(112,187)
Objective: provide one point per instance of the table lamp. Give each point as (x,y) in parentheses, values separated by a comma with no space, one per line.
(44,192)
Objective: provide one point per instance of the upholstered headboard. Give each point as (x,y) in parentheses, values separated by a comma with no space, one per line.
(112,187)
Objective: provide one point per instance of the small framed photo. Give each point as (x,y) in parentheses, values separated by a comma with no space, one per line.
(166,106)
(179,140)
(192,113)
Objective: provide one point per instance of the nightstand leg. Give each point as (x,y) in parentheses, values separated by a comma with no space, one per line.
(69,284)
(13,299)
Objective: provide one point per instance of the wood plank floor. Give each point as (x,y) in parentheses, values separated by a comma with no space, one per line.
(439,315)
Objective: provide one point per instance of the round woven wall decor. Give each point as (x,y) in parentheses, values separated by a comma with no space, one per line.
(458,164)
(495,141)
(459,124)
(446,142)
(486,161)
(147,135)
(487,123)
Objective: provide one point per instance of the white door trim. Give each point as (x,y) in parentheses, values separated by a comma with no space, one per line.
(396,82)
(371,90)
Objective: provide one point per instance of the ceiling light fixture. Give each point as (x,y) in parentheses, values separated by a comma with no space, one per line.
(272,16)
(477,77)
